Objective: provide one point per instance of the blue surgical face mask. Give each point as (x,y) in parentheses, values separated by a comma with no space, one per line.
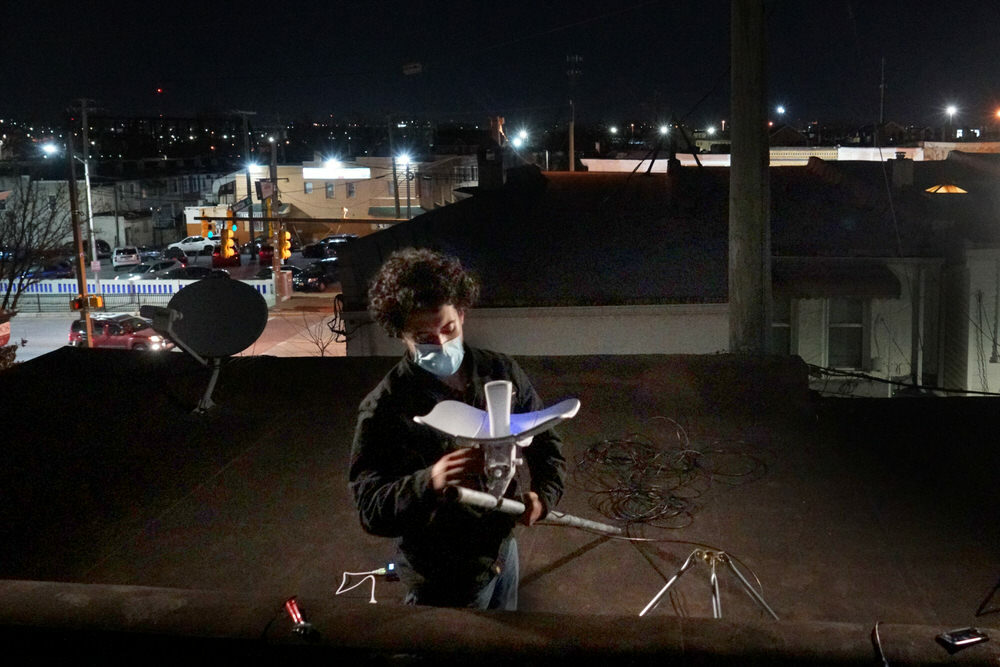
(441,360)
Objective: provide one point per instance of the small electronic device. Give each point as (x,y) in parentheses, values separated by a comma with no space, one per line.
(956,640)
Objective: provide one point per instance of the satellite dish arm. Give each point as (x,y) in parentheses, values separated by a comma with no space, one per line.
(163,323)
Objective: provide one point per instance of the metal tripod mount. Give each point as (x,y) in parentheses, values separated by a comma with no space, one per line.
(712,559)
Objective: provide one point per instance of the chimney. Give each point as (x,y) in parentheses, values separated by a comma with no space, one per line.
(491,167)
(902,171)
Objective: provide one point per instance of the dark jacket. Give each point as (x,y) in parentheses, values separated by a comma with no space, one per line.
(447,544)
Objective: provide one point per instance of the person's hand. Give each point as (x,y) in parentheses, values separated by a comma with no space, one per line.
(533,508)
(456,467)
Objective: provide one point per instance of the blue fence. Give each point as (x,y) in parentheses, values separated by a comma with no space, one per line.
(54,295)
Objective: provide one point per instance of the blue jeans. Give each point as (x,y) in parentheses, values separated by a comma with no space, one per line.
(500,592)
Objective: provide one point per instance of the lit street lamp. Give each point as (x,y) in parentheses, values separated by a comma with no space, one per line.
(95,262)
(405,161)
(951,110)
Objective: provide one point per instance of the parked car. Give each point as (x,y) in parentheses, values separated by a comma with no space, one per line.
(191,273)
(253,247)
(265,272)
(148,253)
(121,331)
(60,269)
(175,253)
(317,276)
(218,261)
(140,271)
(125,256)
(328,246)
(194,245)
(266,253)
(103,248)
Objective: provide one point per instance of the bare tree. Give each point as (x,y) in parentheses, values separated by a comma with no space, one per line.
(34,223)
(319,335)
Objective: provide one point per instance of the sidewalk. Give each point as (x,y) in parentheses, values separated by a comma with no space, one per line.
(309,302)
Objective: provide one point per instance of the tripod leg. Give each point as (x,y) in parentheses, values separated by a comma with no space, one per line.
(684,568)
(751,591)
(714,581)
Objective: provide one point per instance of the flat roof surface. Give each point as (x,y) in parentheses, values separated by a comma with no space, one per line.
(845,510)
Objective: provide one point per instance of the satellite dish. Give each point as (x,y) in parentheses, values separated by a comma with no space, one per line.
(211,319)
(219,316)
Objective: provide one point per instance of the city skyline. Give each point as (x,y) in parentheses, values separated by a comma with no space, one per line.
(647,59)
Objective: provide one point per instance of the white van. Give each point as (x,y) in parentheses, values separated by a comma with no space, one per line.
(124,256)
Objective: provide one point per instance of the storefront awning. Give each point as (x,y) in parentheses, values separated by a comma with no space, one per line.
(817,278)
(390,211)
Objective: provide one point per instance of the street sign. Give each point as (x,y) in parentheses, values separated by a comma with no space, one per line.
(241,204)
(265,188)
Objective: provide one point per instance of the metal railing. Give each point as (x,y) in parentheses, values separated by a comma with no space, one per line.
(54,296)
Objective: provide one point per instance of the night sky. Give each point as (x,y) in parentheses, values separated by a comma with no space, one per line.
(643,60)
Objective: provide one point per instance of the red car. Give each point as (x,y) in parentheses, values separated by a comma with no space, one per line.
(121,331)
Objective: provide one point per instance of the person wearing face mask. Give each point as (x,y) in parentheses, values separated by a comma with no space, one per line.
(448,554)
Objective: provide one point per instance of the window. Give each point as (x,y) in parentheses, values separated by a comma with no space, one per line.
(845,346)
(350,190)
(330,191)
(781,326)
(308,187)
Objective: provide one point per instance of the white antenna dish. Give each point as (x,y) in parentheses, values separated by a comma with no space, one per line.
(496,431)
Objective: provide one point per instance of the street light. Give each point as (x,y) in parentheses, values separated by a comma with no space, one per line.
(404,159)
(951,110)
(95,262)
(781,110)
(664,129)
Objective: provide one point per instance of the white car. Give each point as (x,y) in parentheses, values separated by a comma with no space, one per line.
(194,245)
(124,256)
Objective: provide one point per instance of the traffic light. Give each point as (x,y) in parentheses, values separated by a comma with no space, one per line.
(228,244)
(285,245)
(206,226)
(91,301)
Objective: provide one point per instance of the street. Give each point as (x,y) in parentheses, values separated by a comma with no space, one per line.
(295,328)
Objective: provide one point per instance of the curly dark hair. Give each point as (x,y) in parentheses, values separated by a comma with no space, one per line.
(418,279)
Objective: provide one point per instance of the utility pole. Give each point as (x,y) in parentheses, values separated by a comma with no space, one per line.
(81,256)
(392,154)
(272,212)
(879,138)
(114,191)
(573,73)
(749,185)
(95,262)
(246,151)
